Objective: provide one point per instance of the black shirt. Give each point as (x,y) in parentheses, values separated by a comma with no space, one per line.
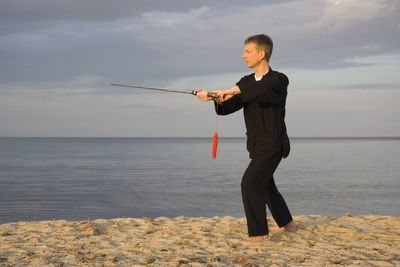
(263,104)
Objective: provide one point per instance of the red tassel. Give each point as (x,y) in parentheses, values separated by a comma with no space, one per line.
(215,144)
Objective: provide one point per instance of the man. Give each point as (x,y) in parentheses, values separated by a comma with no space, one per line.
(262,95)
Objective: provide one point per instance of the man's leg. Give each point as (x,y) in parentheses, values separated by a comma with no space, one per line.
(277,205)
(255,180)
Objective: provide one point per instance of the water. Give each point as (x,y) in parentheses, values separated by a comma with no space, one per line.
(89,178)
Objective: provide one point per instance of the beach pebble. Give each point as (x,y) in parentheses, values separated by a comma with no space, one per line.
(298,259)
(148,220)
(90,257)
(337,260)
(150,260)
(72,249)
(240,259)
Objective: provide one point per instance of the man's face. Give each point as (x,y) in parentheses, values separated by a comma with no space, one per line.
(252,55)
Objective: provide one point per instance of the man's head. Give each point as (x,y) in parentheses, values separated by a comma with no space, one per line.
(263,44)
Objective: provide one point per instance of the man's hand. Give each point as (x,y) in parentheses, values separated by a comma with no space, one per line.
(222,95)
(228,93)
(203,95)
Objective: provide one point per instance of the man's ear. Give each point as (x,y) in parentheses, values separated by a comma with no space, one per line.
(262,55)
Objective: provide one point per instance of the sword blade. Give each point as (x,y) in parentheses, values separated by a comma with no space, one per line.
(156,89)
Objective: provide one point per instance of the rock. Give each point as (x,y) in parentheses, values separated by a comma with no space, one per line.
(337,261)
(240,259)
(150,260)
(72,249)
(90,257)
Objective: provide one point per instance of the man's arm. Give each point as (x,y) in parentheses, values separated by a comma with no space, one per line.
(223,95)
(229,93)
(233,104)
(224,104)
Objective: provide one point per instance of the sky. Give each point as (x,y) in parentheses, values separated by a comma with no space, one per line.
(59,57)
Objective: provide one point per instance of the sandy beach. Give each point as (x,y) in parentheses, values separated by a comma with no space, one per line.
(369,240)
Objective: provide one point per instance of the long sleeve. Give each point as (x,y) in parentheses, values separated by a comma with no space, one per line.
(231,105)
(270,91)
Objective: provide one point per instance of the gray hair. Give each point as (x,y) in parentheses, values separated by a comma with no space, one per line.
(263,42)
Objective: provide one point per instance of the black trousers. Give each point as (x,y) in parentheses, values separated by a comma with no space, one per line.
(259,190)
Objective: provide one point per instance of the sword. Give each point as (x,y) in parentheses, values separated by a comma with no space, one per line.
(213,95)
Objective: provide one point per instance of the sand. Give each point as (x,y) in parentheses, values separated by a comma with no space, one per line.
(183,241)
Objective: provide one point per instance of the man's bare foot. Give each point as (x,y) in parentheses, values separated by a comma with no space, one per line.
(259,238)
(276,229)
(290,227)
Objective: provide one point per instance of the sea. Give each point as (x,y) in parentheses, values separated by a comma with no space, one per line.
(91,178)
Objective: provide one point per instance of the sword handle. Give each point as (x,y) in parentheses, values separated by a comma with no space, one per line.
(213,95)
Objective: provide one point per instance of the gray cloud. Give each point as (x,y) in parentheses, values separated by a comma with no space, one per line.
(162,41)
(86,10)
(104,10)
(370,86)
(59,55)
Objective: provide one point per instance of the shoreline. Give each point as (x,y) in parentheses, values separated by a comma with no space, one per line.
(367,240)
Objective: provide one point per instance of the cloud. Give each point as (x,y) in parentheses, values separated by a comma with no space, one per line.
(66,54)
(86,10)
(135,38)
(103,10)
(343,113)
(342,14)
(340,31)
(370,86)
